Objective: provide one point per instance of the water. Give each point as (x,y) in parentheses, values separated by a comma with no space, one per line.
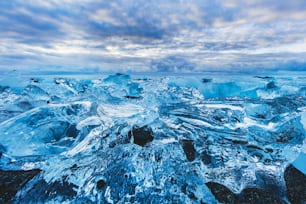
(152,139)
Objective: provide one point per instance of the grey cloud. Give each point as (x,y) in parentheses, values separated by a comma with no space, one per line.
(161,35)
(172,64)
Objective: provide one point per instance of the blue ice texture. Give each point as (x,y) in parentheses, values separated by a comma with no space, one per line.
(82,133)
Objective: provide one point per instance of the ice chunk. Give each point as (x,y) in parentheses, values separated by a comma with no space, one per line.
(157,139)
(42,131)
(119,79)
(90,121)
(123,110)
(134,90)
(300,162)
(221,90)
(36,93)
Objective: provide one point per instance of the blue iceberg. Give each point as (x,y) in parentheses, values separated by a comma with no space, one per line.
(135,139)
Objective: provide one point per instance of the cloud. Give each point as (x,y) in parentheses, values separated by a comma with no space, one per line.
(172,64)
(152,35)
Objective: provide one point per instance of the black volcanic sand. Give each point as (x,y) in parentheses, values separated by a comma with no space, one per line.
(13,181)
(295,184)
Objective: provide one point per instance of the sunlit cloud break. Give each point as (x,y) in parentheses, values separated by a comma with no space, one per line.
(149,36)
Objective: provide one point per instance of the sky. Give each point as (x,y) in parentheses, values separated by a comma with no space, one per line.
(153,35)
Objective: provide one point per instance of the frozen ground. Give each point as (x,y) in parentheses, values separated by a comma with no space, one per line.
(135,139)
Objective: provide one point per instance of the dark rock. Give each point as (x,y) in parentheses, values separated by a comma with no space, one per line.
(42,191)
(100,184)
(269,150)
(271,183)
(271,85)
(188,190)
(296,185)
(12,181)
(259,196)
(238,142)
(133,97)
(74,167)
(72,131)
(189,149)
(263,77)
(192,196)
(206,158)
(141,135)
(205,80)
(222,193)
(184,188)
(63,129)
(250,146)
(59,81)
(35,80)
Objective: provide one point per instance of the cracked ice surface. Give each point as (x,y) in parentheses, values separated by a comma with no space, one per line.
(119,139)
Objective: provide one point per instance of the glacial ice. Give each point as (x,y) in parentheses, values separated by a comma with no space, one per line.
(300,163)
(134,139)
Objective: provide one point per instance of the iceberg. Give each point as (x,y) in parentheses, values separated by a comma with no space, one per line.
(134,139)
